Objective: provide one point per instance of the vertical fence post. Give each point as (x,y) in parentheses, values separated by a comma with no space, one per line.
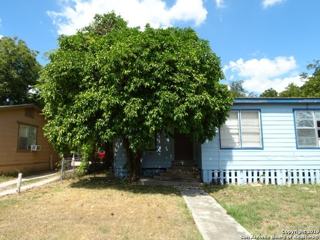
(73,162)
(19,182)
(62,168)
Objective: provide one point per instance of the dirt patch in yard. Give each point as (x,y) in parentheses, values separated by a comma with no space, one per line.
(96,209)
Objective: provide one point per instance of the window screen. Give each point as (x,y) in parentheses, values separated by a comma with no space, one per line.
(241,130)
(307,128)
(250,129)
(230,132)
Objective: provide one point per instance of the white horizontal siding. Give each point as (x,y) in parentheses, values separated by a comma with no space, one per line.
(279,144)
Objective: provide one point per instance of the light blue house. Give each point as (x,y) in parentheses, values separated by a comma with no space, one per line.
(264,140)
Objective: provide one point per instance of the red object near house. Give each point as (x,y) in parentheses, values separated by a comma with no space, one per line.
(101,154)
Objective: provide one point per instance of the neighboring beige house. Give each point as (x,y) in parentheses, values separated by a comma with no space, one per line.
(23,146)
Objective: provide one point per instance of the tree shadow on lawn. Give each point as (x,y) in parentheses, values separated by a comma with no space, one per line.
(103,183)
(213,188)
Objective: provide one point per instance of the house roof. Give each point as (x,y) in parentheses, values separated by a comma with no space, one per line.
(277,101)
(236,101)
(6,107)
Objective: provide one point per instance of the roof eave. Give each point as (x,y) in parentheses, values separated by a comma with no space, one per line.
(277,101)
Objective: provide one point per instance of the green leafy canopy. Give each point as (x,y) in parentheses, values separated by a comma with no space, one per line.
(110,81)
(19,71)
(310,87)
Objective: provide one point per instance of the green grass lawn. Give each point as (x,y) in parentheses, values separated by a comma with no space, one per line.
(270,209)
(4,178)
(96,208)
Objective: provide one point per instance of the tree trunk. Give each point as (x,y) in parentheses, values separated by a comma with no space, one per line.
(134,163)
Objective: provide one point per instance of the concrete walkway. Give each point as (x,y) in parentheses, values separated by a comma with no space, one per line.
(25,179)
(211,219)
(9,187)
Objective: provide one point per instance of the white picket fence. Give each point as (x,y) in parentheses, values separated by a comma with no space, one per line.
(264,176)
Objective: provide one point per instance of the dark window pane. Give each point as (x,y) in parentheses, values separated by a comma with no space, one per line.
(318,124)
(318,133)
(23,143)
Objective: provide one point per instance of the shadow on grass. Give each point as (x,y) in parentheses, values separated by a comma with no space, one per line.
(102,183)
(211,188)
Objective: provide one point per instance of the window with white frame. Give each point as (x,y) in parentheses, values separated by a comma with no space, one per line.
(241,130)
(27,136)
(307,123)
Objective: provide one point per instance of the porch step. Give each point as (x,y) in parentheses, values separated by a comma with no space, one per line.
(157,182)
(189,166)
(174,178)
(184,168)
(183,164)
(180,173)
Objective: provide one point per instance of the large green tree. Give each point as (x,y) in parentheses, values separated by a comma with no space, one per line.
(269,93)
(19,71)
(237,89)
(292,90)
(311,87)
(110,82)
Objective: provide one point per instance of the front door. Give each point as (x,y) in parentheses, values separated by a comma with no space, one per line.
(183,149)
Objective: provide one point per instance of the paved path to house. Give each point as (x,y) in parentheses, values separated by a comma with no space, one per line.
(211,219)
(9,187)
(25,179)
